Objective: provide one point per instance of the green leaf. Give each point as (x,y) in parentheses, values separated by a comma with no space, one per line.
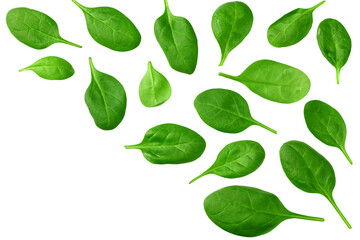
(309,171)
(110,28)
(326,124)
(34,29)
(51,68)
(231,23)
(236,160)
(335,43)
(106,99)
(177,39)
(247,211)
(274,81)
(292,27)
(154,88)
(225,111)
(171,144)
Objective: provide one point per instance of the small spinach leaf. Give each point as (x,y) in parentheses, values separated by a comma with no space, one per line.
(335,43)
(309,171)
(225,111)
(231,23)
(51,68)
(236,160)
(326,124)
(247,211)
(171,144)
(106,99)
(34,29)
(154,88)
(292,27)
(274,81)
(110,28)
(177,39)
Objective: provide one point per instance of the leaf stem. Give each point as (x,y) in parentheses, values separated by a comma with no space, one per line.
(317,5)
(131,147)
(223,58)
(266,127)
(70,43)
(78,4)
(23,69)
(338,75)
(201,175)
(346,154)
(166,5)
(228,76)
(339,212)
(318,219)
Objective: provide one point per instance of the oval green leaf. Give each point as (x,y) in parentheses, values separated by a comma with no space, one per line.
(247,211)
(225,111)
(309,171)
(292,27)
(171,144)
(237,159)
(177,39)
(34,29)
(231,23)
(154,88)
(106,99)
(326,124)
(335,43)
(110,28)
(274,81)
(51,68)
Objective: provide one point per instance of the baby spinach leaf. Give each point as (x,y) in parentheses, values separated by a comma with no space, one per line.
(51,68)
(309,171)
(177,39)
(34,29)
(326,124)
(171,144)
(335,43)
(247,211)
(154,88)
(106,99)
(231,23)
(236,160)
(274,81)
(110,28)
(225,111)
(292,27)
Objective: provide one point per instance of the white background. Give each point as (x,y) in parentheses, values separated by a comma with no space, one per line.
(63,178)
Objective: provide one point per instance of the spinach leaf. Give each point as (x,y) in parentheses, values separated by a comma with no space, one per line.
(231,23)
(225,111)
(177,39)
(236,160)
(326,124)
(154,88)
(335,43)
(106,99)
(274,81)
(34,29)
(51,68)
(292,27)
(309,171)
(247,211)
(110,28)
(171,144)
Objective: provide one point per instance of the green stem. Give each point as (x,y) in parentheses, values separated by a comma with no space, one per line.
(223,58)
(201,175)
(131,147)
(23,69)
(346,154)
(317,5)
(228,76)
(78,4)
(318,219)
(70,43)
(338,75)
(166,5)
(266,127)
(339,212)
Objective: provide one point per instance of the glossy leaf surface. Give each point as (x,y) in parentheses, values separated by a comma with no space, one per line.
(154,88)
(326,124)
(225,111)
(106,99)
(335,43)
(309,171)
(177,39)
(292,27)
(236,160)
(51,68)
(247,211)
(231,23)
(274,81)
(111,28)
(171,144)
(34,29)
